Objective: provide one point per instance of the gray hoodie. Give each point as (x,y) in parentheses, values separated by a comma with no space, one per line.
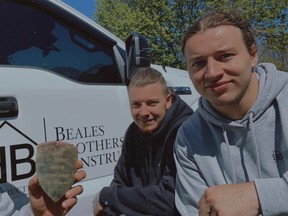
(211,150)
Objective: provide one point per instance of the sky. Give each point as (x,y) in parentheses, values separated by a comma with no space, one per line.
(87,7)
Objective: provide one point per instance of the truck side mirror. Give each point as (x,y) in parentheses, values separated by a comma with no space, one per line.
(137,54)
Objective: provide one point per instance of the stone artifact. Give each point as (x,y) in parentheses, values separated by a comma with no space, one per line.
(55,167)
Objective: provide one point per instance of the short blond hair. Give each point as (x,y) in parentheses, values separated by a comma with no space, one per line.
(146,76)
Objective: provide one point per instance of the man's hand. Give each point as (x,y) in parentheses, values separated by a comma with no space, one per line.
(232,199)
(42,205)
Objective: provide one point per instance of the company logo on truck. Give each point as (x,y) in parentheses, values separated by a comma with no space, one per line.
(18,156)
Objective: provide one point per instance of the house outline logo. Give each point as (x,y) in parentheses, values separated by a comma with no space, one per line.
(18,131)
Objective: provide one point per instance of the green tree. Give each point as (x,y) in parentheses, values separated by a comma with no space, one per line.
(163,23)
(269,55)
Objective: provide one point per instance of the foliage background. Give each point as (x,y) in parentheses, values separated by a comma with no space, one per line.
(163,23)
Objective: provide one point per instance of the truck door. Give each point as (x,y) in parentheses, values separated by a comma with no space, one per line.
(61,79)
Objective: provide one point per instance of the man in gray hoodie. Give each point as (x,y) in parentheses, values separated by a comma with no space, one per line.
(232,154)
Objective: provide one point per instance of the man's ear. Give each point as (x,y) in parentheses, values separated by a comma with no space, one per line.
(254,55)
(168,101)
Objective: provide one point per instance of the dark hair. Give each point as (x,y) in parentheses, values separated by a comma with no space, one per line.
(146,76)
(216,18)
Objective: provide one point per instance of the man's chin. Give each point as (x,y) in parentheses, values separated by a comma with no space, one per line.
(148,130)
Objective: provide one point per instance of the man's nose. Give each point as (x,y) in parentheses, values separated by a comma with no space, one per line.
(213,69)
(144,110)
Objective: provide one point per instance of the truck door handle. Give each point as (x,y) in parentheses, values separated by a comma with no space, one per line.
(8,107)
(182,90)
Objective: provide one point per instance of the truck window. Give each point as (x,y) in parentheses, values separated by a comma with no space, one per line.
(31,36)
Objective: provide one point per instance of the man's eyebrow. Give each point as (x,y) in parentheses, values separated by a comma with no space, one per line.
(195,58)
(156,98)
(134,101)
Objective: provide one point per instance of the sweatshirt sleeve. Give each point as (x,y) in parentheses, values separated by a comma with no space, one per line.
(122,198)
(190,184)
(272,193)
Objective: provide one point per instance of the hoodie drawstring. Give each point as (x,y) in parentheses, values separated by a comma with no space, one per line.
(229,154)
(251,125)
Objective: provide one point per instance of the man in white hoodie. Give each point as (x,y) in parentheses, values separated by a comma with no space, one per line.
(232,154)
(40,204)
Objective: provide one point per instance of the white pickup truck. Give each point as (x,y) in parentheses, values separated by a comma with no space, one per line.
(63,77)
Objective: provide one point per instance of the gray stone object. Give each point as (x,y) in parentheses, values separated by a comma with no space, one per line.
(55,167)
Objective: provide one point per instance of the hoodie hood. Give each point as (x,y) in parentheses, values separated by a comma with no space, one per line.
(174,117)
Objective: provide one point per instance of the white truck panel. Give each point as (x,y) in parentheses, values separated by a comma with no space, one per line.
(53,104)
